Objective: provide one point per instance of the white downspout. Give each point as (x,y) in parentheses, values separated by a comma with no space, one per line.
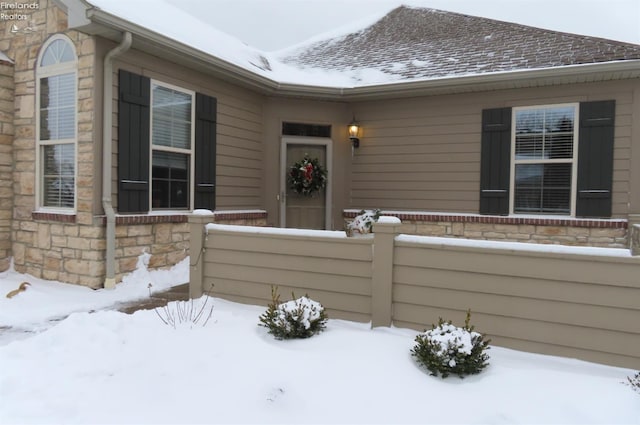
(107,101)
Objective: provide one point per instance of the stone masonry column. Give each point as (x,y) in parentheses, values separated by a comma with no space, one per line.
(6,160)
(385,231)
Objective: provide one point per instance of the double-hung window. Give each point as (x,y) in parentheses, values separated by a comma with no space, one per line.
(542,160)
(171,146)
(56,129)
(544,152)
(166,146)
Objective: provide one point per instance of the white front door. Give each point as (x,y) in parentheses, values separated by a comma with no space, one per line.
(299,211)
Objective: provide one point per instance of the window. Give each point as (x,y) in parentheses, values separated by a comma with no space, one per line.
(56,109)
(555,159)
(306,130)
(171,143)
(166,146)
(544,147)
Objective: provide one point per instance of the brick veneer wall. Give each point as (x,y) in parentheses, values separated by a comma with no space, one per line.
(578,232)
(6,161)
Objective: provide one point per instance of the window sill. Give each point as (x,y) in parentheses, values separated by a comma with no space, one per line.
(64,217)
(154,217)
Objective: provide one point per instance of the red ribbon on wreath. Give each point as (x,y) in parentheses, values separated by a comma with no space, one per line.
(308,172)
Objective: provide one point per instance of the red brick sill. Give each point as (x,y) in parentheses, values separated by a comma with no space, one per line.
(50,216)
(134,219)
(493,219)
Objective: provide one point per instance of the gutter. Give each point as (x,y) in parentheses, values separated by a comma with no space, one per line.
(107,114)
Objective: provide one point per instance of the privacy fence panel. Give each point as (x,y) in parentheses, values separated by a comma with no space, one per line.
(570,301)
(561,301)
(244,262)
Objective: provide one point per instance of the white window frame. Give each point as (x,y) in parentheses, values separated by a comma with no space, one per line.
(573,161)
(44,72)
(190,151)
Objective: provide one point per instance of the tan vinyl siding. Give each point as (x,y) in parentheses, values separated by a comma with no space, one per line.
(577,303)
(239,157)
(332,270)
(525,300)
(424,153)
(239,165)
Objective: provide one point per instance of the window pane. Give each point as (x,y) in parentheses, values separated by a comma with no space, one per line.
(543,188)
(170,180)
(529,146)
(57,107)
(58,175)
(545,133)
(59,51)
(171,118)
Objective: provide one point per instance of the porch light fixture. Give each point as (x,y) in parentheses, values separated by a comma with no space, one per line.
(354,131)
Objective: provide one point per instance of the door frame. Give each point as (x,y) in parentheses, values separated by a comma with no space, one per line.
(300,140)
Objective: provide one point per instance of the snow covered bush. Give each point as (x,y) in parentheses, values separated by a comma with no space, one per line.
(448,349)
(362,223)
(298,318)
(634,382)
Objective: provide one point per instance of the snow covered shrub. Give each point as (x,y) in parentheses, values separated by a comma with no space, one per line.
(298,318)
(634,382)
(448,349)
(362,223)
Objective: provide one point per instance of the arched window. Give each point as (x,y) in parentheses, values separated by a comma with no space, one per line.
(56,104)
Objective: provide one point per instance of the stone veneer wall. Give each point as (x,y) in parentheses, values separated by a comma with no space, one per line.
(6,161)
(70,247)
(63,247)
(578,232)
(166,237)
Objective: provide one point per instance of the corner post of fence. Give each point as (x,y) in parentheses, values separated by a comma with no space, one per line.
(634,239)
(197,237)
(385,231)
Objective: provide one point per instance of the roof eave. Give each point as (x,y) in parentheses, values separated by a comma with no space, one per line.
(109,26)
(571,74)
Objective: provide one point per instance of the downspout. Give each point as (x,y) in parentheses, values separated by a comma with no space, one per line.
(107,101)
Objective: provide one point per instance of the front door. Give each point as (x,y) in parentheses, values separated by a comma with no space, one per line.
(300,211)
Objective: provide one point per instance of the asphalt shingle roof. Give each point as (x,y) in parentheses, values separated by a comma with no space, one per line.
(421,43)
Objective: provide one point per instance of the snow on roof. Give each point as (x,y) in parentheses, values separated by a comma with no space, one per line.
(405,44)
(164,18)
(419,43)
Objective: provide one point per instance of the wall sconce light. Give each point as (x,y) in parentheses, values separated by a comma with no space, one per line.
(354,132)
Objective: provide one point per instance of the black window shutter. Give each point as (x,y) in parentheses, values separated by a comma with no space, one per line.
(495,157)
(133,142)
(205,153)
(595,159)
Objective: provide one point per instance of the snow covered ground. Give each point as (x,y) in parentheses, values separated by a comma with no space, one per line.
(102,366)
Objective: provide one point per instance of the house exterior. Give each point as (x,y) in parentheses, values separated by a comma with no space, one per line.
(115,127)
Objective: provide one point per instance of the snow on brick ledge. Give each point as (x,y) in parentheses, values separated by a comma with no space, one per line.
(493,219)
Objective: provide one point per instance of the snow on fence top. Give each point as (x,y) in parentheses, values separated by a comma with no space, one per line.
(514,246)
(276,231)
